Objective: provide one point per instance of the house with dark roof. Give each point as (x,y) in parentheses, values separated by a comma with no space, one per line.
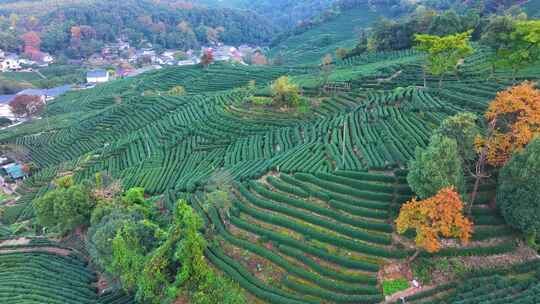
(14,170)
(46,94)
(97,76)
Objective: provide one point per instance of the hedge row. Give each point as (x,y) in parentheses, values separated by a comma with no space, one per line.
(360,203)
(116,297)
(323,254)
(299,271)
(280,185)
(315,220)
(329,272)
(331,296)
(355,183)
(431,292)
(484,233)
(330,186)
(369,225)
(359,211)
(488,220)
(254,285)
(311,190)
(320,236)
(501,248)
(366,176)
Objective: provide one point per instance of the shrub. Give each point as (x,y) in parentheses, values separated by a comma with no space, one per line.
(63,209)
(285,92)
(177,91)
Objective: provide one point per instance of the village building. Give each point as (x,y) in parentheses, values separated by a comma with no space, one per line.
(97,76)
(192,61)
(46,95)
(10,63)
(5,109)
(14,171)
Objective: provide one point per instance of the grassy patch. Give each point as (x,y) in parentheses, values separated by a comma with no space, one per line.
(392,286)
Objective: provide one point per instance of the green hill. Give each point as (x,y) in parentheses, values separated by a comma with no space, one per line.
(311,45)
(137,21)
(313,194)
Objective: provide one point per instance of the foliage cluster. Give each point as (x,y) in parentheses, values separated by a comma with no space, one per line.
(518,192)
(64,208)
(285,92)
(436,167)
(444,53)
(440,215)
(516,115)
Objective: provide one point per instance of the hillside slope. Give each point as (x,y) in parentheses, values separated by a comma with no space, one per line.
(314,195)
(308,47)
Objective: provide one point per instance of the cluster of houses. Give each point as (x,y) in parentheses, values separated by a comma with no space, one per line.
(122,54)
(11,62)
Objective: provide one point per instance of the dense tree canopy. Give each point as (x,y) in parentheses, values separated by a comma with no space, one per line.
(444,53)
(518,193)
(516,113)
(436,167)
(26,105)
(440,215)
(285,92)
(64,208)
(463,129)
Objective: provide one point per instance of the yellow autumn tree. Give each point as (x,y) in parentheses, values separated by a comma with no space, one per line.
(433,218)
(515,117)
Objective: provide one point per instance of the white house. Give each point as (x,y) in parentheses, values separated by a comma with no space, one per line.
(97,76)
(26,61)
(222,53)
(10,63)
(192,61)
(47,58)
(5,110)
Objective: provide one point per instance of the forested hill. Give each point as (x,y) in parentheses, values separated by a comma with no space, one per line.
(165,24)
(284,13)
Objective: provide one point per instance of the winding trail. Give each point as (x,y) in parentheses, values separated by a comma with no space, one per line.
(25,241)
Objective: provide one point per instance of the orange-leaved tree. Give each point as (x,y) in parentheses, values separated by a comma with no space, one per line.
(438,216)
(515,115)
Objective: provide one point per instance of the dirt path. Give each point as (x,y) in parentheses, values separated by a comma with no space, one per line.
(15,242)
(25,241)
(406,293)
(55,250)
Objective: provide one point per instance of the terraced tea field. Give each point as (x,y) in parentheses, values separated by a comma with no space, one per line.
(311,45)
(314,194)
(39,271)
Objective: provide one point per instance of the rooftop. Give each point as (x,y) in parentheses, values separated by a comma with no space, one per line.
(14,170)
(97,73)
(53,92)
